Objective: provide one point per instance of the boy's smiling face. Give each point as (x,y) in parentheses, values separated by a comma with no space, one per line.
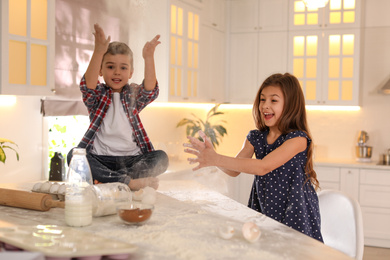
(116,70)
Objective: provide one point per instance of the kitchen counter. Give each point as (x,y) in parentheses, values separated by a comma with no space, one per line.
(185,225)
(333,162)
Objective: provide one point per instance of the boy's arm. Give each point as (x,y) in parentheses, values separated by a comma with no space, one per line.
(150,71)
(101,45)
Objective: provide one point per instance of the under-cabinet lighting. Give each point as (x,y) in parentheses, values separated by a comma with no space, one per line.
(7,101)
(246,106)
(332,108)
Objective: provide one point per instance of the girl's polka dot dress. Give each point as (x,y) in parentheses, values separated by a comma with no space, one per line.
(282,194)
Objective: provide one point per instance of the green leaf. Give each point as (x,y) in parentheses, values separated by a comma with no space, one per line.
(2,155)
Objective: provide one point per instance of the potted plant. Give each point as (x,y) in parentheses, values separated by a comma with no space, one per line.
(214,131)
(3,145)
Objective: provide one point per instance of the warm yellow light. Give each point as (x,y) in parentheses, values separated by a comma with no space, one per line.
(349,4)
(7,101)
(348,44)
(173,19)
(208,106)
(334,44)
(315,3)
(299,46)
(299,6)
(180,21)
(332,108)
(311,45)
(190,25)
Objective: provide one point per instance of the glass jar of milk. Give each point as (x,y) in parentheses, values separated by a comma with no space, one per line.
(78,196)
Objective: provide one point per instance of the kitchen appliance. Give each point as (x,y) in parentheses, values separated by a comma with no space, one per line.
(385,158)
(363,151)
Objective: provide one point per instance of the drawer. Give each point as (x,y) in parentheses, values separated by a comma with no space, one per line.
(375,196)
(375,177)
(376,226)
(327,174)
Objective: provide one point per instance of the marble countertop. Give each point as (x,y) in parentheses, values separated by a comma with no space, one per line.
(334,162)
(185,225)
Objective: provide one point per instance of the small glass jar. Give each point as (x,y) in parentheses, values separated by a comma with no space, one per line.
(108,196)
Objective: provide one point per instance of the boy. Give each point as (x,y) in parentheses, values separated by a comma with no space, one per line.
(118,148)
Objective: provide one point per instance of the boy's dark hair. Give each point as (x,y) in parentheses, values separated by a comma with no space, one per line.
(115,48)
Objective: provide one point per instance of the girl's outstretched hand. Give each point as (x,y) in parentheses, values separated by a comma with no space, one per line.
(148,50)
(204,151)
(101,42)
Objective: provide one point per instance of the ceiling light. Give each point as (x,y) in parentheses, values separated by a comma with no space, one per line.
(312,4)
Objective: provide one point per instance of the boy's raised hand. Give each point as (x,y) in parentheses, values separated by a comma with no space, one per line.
(150,46)
(101,42)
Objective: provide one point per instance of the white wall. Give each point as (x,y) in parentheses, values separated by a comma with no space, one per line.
(22,123)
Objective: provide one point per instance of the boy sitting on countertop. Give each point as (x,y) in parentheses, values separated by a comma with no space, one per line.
(118,148)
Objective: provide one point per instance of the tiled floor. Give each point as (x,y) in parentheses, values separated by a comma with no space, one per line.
(376,253)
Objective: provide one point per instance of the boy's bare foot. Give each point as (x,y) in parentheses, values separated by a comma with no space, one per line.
(136,184)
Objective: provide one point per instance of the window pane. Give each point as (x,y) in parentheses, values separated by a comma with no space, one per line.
(189,54)
(39,19)
(196,55)
(172,81)
(179,52)
(347,67)
(312,18)
(178,82)
(17,17)
(334,68)
(311,45)
(335,4)
(196,27)
(195,88)
(180,21)
(173,19)
(298,68)
(333,90)
(334,45)
(348,44)
(349,17)
(310,90)
(349,4)
(189,83)
(17,61)
(190,25)
(335,17)
(346,90)
(38,65)
(299,6)
(311,68)
(299,46)
(173,50)
(299,19)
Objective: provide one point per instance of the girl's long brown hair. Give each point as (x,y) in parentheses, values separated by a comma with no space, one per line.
(293,116)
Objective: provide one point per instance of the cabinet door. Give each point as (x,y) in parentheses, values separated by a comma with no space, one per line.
(340,72)
(243,15)
(273,15)
(349,182)
(213,14)
(27,47)
(329,177)
(212,65)
(243,68)
(272,58)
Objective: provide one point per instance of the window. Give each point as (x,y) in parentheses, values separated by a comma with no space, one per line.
(184,51)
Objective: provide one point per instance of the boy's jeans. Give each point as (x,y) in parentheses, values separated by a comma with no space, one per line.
(122,169)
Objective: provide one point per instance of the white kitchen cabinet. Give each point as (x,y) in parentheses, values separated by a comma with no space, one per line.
(329,177)
(255,53)
(213,14)
(337,14)
(258,15)
(27,47)
(374,199)
(212,65)
(324,51)
(371,188)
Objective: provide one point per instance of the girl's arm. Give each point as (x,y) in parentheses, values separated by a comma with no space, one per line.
(101,46)
(247,151)
(150,71)
(206,156)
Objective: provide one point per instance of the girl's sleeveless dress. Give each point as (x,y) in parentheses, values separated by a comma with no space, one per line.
(283,194)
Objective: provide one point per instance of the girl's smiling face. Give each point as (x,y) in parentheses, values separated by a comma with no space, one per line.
(116,71)
(271,105)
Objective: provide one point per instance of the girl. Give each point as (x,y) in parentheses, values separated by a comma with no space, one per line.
(285,182)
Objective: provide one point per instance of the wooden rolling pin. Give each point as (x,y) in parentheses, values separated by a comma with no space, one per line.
(28,200)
